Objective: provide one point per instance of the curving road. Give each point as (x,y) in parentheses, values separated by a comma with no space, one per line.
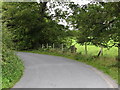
(44,71)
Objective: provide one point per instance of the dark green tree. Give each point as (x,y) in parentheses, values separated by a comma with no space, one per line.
(98,23)
(31,25)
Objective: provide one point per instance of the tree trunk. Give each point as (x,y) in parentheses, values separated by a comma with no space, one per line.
(47,46)
(53,46)
(86,49)
(42,46)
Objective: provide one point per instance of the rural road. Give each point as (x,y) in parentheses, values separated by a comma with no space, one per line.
(45,71)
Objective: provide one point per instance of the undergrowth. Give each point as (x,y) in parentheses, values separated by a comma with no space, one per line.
(12,68)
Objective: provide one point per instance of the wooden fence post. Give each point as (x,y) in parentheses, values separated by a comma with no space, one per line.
(42,46)
(47,45)
(101,51)
(62,47)
(53,46)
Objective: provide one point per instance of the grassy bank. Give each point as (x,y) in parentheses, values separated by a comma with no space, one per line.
(12,68)
(108,65)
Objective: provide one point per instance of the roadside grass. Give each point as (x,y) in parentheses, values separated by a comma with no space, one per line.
(109,65)
(12,68)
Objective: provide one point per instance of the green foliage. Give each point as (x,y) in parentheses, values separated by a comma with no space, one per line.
(31,25)
(69,41)
(97,23)
(12,66)
(6,37)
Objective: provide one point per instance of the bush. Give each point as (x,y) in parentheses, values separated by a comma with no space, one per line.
(12,68)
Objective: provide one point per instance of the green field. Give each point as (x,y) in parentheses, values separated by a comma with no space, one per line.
(93,50)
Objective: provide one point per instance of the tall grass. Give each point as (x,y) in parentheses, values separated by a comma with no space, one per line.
(12,68)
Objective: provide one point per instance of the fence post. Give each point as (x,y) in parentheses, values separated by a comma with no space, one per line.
(62,47)
(42,46)
(101,51)
(47,45)
(53,46)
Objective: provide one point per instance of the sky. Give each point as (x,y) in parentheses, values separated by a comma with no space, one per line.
(80,2)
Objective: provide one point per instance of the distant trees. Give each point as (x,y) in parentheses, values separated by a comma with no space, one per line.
(31,25)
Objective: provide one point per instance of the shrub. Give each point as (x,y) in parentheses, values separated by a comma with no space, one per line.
(12,68)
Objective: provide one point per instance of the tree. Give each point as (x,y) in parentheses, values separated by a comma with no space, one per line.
(31,25)
(97,23)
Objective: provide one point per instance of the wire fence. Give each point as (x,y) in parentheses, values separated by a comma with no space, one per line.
(60,47)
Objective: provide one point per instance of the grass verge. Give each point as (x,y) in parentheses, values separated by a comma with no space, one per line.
(108,65)
(12,68)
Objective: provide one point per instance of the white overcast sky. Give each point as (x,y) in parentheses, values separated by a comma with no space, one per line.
(80,2)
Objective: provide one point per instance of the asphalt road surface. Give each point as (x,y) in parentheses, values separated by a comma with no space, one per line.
(45,71)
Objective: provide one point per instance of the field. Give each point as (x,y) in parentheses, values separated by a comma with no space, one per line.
(93,50)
